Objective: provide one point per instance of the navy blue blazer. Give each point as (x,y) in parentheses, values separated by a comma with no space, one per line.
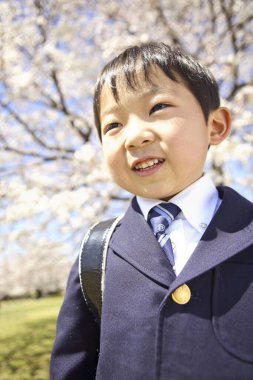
(144,333)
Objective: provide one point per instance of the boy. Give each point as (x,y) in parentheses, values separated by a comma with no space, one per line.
(178,312)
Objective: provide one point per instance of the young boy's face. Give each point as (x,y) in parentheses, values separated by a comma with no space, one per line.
(155,139)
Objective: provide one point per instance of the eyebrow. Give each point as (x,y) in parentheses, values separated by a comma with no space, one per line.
(109,110)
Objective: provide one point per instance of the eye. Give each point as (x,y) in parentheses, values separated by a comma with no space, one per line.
(111,126)
(158,107)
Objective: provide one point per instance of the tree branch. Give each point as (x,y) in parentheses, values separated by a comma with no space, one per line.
(227,12)
(29,130)
(156,4)
(213,16)
(31,153)
(63,106)
(237,87)
(40,7)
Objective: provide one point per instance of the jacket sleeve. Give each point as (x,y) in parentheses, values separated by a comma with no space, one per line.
(75,351)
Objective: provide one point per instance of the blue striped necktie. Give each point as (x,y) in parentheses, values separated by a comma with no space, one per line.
(160,218)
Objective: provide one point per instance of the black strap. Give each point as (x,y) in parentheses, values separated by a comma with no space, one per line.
(92,263)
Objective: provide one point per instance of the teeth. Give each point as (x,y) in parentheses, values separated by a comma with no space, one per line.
(148,163)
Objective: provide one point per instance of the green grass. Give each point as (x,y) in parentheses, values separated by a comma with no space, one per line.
(27,332)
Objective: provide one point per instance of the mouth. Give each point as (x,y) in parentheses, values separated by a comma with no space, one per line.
(148,164)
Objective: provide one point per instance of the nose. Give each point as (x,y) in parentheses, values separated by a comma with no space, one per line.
(137,134)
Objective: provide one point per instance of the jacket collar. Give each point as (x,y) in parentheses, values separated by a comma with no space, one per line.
(141,249)
(229,232)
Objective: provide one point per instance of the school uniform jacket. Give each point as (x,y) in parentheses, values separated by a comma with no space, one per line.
(144,333)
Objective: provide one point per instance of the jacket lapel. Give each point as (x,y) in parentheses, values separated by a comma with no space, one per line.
(229,232)
(135,242)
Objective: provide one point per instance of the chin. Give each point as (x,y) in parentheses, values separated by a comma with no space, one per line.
(156,195)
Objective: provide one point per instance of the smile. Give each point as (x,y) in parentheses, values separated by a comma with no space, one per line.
(150,163)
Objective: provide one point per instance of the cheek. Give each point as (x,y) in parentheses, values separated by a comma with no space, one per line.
(187,144)
(111,157)
(107,149)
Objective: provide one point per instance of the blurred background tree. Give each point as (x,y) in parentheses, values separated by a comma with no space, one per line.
(53,180)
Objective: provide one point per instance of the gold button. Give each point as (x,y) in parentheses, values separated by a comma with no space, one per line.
(182,295)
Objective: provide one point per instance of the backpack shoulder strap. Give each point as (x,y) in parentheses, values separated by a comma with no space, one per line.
(92,264)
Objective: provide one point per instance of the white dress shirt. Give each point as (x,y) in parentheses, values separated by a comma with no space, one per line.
(198,203)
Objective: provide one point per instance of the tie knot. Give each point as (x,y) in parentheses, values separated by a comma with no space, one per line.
(161,216)
(169,210)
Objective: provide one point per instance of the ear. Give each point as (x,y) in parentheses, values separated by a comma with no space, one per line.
(219,125)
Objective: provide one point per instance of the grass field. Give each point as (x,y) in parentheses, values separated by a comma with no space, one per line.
(27,331)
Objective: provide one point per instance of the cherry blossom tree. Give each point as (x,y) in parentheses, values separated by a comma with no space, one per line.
(53,180)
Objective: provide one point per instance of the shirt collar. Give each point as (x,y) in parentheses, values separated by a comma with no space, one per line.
(198,203)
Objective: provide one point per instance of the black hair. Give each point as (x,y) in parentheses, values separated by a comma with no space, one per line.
(173,61)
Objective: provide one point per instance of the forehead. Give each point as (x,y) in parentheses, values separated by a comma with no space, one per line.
(142,86)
